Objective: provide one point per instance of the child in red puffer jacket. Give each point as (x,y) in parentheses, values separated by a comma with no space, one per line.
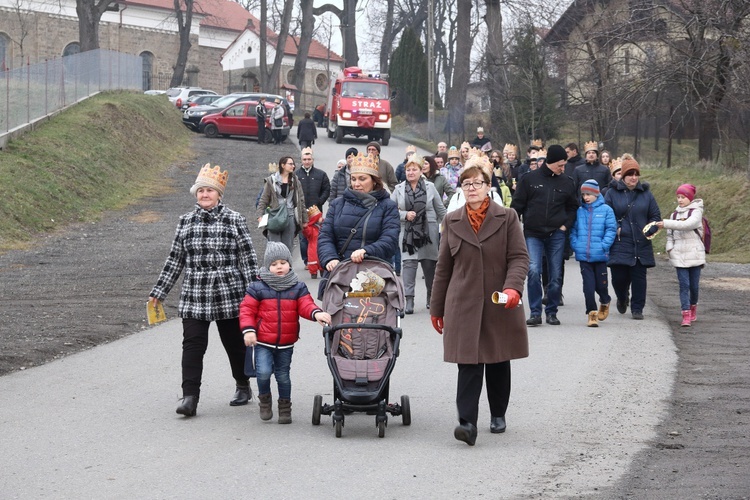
(269,319)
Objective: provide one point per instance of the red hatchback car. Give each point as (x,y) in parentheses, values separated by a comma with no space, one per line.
(237,119)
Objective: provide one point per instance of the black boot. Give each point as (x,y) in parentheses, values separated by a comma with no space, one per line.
(409,305)
(429,296)
(242,396)
(188,406)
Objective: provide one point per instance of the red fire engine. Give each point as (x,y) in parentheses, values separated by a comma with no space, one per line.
(359,105)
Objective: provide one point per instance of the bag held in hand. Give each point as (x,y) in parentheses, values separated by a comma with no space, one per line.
(277,218)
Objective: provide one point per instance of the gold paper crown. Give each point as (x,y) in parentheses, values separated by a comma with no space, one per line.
(313,211)
(364,164)
(591,146)
(480,161)
(537,143)
(416,159)
(211,177)
(411,149)
(615,165)
(475,152)
(306,151)
(466,145)
(509,148)
(453,153)
(542,154)
(273,167)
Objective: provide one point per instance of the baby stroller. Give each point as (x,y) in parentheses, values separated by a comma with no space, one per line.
(365,302)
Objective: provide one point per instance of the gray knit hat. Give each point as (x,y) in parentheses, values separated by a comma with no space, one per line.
(275,250)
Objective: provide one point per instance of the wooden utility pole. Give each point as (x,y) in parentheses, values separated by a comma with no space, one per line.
(430,73)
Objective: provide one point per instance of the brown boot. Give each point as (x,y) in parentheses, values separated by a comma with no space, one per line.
(603,312)
(592,319)
(266,406)
(285,411)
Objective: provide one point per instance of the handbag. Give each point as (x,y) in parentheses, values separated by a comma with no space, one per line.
(278,122)
(277,218)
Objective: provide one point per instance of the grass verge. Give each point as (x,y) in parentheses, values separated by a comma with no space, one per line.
(104,153)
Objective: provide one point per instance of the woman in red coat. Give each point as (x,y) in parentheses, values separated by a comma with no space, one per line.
(482,250)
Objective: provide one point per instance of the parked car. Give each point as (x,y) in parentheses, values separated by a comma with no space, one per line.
(178,95)
(200,100)
(191,118)
(155,92)
(237,119)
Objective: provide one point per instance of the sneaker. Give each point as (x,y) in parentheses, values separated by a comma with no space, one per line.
(637,315)
(552,319)
(534,321)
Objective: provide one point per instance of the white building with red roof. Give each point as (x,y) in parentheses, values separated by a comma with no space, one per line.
(222,32)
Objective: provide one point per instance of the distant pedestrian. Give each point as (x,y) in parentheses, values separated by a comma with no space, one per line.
(269,318)
(685,248)
(213,246)
(277,121)
(316,188)
(283,186)
(341,179)
(591,238)
(261,114)
(307,132)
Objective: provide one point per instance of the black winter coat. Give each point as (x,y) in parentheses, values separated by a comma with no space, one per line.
(596,171)
(572,164)
(379,238)
(630,244)
(315,186)
(306,130)
(545,202)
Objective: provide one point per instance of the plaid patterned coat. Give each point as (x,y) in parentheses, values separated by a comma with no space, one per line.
(216,252)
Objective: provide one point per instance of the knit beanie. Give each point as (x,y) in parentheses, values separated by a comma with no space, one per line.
(556,153)
(351,151)
(275,250)
(630,166)
(687,190)
(374,144)
(590,187)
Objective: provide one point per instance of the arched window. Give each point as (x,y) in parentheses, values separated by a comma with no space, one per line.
(147,65)
(4,52)
(72,48)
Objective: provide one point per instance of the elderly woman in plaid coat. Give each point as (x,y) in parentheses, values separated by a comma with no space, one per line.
(212,244)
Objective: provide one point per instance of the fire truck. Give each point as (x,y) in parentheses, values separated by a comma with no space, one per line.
(359,105)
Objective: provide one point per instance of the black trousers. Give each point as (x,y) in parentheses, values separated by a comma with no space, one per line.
(194,344)
(470,388)
(261,132)
(630,279)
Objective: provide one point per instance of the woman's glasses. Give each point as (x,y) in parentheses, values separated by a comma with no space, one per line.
(476,185)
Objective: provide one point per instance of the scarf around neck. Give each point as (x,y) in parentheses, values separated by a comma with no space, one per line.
(367,199)
(416,232)
(279,283)
(476,217)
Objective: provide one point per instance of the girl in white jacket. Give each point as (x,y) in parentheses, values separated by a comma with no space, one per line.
(685,248)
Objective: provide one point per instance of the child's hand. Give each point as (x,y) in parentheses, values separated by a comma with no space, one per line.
(250,339)
(323,318)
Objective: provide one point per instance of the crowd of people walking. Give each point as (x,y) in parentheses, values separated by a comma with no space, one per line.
(477,219)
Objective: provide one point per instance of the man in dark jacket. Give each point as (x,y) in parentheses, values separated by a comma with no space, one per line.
(480,140)
(315,186)
(307,132)
(387,174)
(547,201)
(260,115)
(574,159)
(592,169)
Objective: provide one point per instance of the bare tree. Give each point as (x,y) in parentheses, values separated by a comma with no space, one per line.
(22,18)
(184,23)
(89,14)
(456,99)
(307,26)
(347,24)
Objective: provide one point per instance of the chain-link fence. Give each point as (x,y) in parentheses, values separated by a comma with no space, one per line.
(36,90)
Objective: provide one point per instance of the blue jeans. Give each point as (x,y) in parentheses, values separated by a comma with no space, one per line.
(552,248)
(397,261)
(277,362)
(690,280)
(303,247)
(595,282)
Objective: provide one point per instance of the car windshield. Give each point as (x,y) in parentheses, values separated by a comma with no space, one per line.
(364,89)
(173,92)
(224,101)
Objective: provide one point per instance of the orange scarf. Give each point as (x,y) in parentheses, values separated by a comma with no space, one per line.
(476,217)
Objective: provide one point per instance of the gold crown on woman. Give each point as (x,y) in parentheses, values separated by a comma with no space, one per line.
(480,161)
(542,154)
(273,167)
(537,143)
(615,165)
(364,164)
(509,148)
(415,159)
(213,177)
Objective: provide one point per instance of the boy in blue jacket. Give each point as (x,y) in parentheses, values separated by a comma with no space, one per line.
(593,233)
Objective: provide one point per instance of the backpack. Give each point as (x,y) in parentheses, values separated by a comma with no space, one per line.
(705,236)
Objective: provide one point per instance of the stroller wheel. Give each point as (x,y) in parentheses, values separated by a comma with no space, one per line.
(338,424)
(405,410)
(317,407)
(381,429)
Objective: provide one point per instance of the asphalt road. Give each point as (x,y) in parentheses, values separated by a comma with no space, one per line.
(101,423)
